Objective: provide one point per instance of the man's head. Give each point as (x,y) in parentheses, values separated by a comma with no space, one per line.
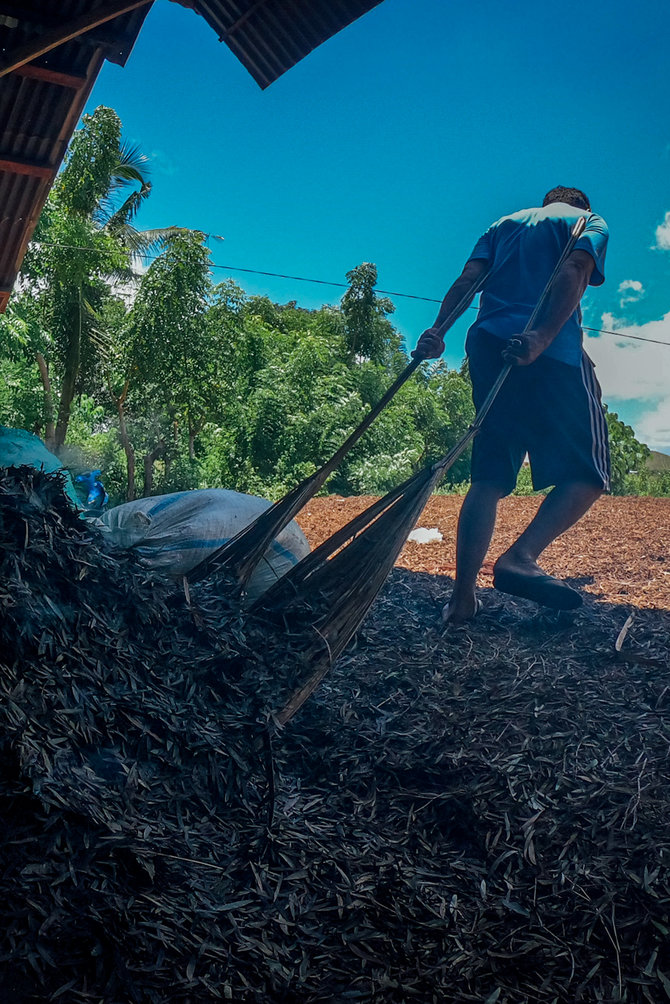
(573,197)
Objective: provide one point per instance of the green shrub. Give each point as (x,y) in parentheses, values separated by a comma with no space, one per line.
(654,483)
(379,474)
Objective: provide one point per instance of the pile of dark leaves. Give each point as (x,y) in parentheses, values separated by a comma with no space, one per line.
(131,764)
(477,814)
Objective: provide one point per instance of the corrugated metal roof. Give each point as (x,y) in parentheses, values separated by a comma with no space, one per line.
(42,99)
(40,105)
(271,36)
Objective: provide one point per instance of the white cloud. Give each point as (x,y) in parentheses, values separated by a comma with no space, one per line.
(637,372)
(631,284)
(654,427)
(663,234)
(632,369)
(630,290)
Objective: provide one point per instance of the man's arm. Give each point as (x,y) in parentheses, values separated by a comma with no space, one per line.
(564,296)
(431,342)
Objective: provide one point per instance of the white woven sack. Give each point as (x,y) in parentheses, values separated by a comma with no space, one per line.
(173,533)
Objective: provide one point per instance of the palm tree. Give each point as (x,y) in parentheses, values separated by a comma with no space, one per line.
(85,240)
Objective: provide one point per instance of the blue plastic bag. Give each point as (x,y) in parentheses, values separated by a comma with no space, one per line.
(97,497)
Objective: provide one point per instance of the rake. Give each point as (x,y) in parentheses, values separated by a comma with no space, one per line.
(242,553)
(339,588)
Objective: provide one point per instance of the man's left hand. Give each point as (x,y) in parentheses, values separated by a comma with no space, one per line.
(524,349)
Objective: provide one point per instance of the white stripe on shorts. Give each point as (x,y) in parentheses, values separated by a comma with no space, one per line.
(599,438)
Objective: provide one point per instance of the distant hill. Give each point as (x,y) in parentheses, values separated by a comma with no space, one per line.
(658,461)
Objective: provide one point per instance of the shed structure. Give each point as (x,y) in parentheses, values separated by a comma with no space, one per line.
(49,63)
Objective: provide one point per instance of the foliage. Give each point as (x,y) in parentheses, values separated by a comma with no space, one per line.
(367,330)
(646,483)
(524,483)
(379,474)
(171,350)
(628,456)
(21,399)
(68,268)
(181,383)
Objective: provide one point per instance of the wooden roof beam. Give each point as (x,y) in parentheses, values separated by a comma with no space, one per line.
(242,19)
(40,44)
(49,76)
(34,168)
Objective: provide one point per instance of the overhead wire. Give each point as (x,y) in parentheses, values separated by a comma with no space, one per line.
(338,285)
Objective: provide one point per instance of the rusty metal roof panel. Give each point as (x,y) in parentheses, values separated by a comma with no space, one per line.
(271,36)
(40,104)
(28,109)
(21,193)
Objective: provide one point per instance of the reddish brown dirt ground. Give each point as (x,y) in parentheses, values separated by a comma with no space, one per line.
(619,551)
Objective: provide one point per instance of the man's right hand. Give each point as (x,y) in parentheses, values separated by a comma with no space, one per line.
(430,345)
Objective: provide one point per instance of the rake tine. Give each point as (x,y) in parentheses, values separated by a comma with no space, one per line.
(289,583)
(348,584)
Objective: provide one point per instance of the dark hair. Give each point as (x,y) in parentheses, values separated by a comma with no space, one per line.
(573,197)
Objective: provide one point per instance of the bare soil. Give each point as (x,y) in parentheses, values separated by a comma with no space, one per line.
(619,552)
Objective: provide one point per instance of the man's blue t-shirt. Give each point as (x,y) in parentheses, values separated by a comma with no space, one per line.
(523,250)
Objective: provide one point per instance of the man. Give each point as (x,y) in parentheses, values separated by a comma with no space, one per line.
(549,406)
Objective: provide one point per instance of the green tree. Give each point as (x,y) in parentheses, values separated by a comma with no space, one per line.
(84,240)
(170,378)
(626,452)
(368,332)
(294,390)
(170,341)
(23,401)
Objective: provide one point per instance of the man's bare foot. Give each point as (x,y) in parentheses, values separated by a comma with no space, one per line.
(520,576)
(517,564)
(458,610)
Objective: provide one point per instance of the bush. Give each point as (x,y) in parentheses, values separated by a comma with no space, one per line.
(655,483)
(378,475)
(453,488)
(524,484)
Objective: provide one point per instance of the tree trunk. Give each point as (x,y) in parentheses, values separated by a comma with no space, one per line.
(69,383)
(49,427)
(131,493)
(194,429)
(149,466)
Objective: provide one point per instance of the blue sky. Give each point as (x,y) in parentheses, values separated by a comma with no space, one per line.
(399,140)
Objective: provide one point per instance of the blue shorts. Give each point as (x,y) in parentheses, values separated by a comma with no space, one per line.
(549,410)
